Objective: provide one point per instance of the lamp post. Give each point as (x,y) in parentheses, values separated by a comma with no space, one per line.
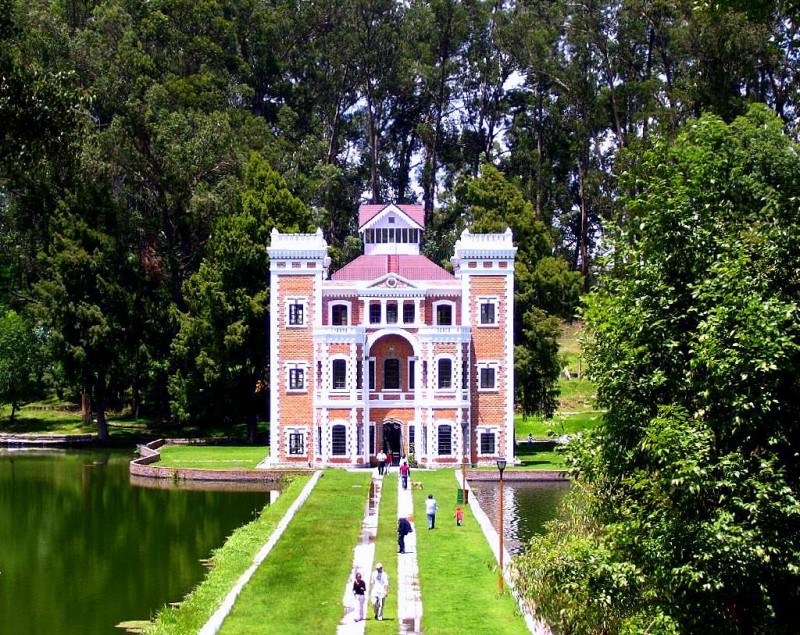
(464,426)
(501,465)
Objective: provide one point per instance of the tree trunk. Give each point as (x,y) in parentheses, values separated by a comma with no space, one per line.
(86,405)
(99,407)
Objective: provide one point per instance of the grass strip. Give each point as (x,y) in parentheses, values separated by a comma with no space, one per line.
(299,587)
(386,553)
(212,457)
(229,562)
(457,571)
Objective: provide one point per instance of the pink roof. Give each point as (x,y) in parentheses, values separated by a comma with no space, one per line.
(407,266)
(367,212)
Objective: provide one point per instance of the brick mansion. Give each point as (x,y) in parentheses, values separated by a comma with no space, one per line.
(391,351)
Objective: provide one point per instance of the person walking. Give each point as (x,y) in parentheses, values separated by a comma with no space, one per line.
(359,591)
(379,589)
(404,472)
(381,463)
(430,510)
(403,529)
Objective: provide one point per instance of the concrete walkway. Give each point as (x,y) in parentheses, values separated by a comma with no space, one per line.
(409,599)
(363,555)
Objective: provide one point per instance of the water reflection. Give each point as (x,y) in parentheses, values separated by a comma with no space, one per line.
(527,506)
(81,549)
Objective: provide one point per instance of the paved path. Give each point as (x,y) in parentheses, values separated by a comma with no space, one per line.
(363,555)
(409,600)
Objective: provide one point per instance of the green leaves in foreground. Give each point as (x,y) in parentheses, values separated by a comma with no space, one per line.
(687,503)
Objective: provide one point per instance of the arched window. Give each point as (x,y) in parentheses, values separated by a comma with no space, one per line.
(339,372)
(391,374)
(339,440)
(445,440)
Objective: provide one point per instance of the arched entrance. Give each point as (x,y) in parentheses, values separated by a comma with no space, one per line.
(393,440)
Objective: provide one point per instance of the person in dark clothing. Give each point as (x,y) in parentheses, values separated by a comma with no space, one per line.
(403,529)
(359,591)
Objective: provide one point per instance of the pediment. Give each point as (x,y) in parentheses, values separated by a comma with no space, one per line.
(391,281)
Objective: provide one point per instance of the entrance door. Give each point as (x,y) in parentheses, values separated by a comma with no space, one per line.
(393,440)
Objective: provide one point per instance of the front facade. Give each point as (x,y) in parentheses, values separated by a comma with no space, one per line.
(392,351)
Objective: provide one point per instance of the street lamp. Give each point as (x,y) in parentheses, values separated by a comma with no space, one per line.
(501,465)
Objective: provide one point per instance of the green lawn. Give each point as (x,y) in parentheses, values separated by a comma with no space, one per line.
(538,460)
(457,571)
(212,457)
(299,587)
(560,424)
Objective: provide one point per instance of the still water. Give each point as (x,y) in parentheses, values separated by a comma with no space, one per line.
(82,549)
(527,506)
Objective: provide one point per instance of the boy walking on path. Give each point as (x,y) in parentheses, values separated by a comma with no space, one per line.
(430,511)
(404,472)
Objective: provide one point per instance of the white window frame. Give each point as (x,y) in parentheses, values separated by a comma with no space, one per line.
(302,301)
(495,366)
(439,427)
(494,302)
(346,360)
(494,431)
(435,316)
(345,303)
(296,365)
(303,432)
(436,385)
(399,375)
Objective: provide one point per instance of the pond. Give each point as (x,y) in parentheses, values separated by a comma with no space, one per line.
(82,549)
(527,506)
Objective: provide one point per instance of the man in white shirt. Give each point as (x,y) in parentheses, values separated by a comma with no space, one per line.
(430,510)
(379,585)
(381,456)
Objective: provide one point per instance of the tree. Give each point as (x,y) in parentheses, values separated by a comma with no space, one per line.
(221,352)
(691,485)
(492,204)
(20,360)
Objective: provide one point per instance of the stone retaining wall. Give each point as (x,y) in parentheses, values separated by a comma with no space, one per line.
(143,467)
(47,440)
(518,475)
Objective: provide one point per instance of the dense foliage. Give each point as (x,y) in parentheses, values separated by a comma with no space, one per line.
(128,126)
(688,502)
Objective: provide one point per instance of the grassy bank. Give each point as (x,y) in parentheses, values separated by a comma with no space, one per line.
(228,564)
(457,571)
(299,588)
(212,457)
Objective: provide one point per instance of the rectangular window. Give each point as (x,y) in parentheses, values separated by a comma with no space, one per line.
(339,315)
(391,220)
(404,235)
(372,374)
(296,314)
(359,373)
(391,234)
(385,235)
(319,441)
(409,312)
(488,313)
(297,444)
(371,439)
(424,439)
(374,312)
(445,374)
(487,443)
(391,313)
(412,367)
(297,379)
(359,440)
(444,315)
(412,446)
(488,378)
(391,374)
(339,374)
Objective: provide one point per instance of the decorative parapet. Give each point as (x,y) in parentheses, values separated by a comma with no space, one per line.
(298,246)
(483,247)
